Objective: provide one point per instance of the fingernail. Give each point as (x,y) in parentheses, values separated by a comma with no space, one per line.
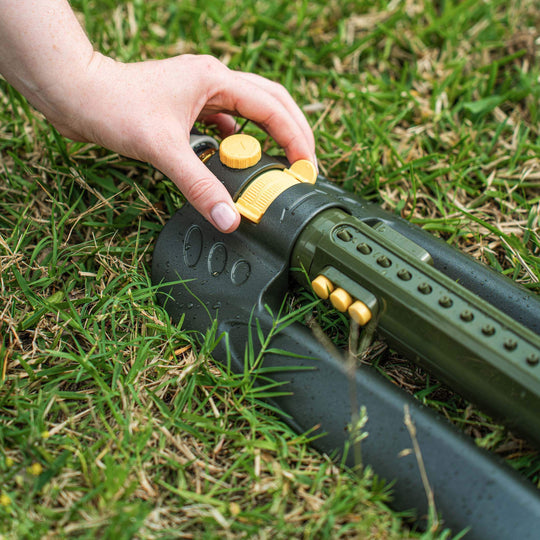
(223,216)
(315,162)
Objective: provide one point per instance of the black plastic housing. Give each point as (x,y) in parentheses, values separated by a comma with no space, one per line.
(243,277)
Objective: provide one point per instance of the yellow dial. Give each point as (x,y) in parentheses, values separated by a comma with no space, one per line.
(304,170)
(240,151)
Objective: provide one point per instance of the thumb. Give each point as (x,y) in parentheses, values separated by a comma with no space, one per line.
(201,188)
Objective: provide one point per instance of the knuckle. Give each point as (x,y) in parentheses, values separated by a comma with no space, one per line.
(289,141)
(151,143)
(211,63)
(199,191)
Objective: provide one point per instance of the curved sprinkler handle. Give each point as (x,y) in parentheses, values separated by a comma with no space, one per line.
(470,488)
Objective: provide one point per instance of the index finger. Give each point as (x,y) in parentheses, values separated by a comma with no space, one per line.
(279,116)
(280,93)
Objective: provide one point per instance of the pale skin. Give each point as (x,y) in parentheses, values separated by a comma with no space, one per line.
(142,110)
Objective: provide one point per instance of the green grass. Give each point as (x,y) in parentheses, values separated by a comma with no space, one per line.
(116,423)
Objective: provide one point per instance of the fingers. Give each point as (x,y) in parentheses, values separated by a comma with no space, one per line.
(200,187)
(282,95)
(202,87)
(270,106)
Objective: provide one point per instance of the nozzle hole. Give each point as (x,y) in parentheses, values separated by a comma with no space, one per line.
(425,288)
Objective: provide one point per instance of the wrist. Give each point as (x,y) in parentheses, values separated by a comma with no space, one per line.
(44,52)
(66,102)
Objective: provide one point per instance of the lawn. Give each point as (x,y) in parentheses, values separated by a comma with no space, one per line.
(117,423)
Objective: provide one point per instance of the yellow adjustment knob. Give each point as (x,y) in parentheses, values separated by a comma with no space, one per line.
(304,170)
(359,313)
(260,194)
(322,286)
(341,299)
(240,151)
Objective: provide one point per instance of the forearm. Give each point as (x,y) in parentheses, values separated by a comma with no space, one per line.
(43,51)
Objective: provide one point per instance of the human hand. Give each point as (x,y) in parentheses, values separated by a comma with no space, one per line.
(146,111)
(142,110)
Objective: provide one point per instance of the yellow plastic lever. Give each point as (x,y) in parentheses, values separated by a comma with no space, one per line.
(262,191)
(260,194)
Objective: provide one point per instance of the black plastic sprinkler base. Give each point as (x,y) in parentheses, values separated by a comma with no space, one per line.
(239,279)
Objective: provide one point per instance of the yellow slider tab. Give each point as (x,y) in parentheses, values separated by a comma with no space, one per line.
(262,191)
